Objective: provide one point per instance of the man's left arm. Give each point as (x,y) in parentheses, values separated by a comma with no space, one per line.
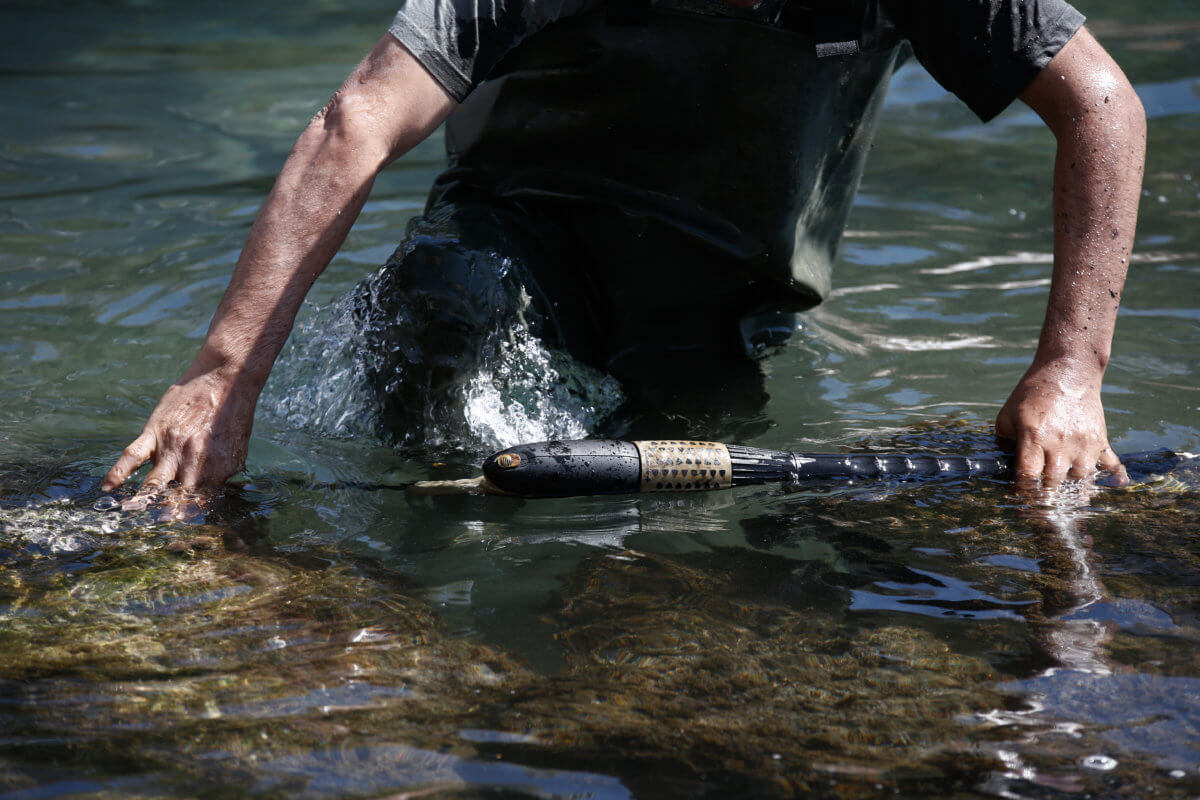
(1055,415)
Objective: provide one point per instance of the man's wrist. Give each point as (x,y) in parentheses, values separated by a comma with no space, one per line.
(231,365)
(1065,372)
(1076,354)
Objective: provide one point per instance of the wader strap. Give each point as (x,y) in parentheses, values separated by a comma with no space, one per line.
(836,27)
(627,12)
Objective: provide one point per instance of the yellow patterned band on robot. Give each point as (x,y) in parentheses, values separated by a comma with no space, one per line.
(680,465)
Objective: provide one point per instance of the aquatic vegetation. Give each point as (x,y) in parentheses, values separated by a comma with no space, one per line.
(224,656)
(795,665)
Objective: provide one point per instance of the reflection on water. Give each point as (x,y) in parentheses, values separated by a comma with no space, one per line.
(320,632)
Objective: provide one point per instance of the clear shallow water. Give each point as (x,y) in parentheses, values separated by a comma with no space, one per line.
(315,634)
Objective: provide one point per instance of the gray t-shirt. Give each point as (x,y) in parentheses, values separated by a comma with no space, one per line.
(984,51)
(704,151)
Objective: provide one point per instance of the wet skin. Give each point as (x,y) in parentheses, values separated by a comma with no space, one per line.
(1055,414)
(198,433)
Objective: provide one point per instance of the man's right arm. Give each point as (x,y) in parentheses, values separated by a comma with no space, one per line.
(198,433)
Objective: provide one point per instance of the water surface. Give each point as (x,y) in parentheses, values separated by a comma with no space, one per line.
(320,632)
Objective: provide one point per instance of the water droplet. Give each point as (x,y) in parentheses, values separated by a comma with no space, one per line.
(1100,763)
(106,503)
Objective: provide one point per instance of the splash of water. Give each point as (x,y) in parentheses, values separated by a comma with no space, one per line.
(320,383)
(528,393)
(520,390)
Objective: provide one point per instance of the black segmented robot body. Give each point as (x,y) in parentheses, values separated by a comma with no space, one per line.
(611,466)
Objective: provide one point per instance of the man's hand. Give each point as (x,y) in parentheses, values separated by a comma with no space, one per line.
(199,432)
(1055,414)
(1057,421)
(197,435)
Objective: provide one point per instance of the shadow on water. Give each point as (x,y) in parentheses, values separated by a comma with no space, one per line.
(852,641)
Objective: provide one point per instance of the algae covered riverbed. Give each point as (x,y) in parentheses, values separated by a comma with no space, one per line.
(319,632)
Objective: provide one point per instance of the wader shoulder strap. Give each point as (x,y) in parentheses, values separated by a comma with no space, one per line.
(627,12)
(837,28)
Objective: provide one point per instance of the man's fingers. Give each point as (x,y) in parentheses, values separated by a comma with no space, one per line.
(1029,463)
(1112,465)
(162,473)
(189,474)
(1109,462)
(1055,470)
(192,472)
(1083,468)
(132,457)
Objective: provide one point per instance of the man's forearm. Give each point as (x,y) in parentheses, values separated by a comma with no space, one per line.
(198,432)
(318,195)
(1097,185)
(1055,413)
(387,105)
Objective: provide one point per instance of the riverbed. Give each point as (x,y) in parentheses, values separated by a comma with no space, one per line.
(322,631)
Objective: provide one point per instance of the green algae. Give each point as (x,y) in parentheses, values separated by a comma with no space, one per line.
(903,640)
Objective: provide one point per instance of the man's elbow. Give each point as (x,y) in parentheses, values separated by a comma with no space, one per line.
(1133,113)
(1113,120)
(1083,91)
(1109,101)
(347,131)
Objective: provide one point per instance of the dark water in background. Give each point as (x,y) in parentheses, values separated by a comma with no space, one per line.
(311,637)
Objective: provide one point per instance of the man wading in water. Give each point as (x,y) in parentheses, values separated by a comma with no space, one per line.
(661,178)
